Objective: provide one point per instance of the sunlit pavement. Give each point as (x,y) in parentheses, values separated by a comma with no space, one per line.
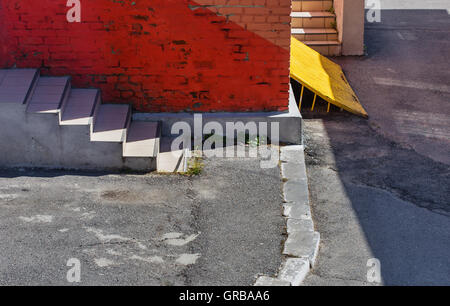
(223,227)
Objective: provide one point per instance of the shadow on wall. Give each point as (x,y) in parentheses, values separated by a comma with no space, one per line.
(163,56)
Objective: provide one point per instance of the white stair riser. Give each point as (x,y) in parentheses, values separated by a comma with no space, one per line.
(148,143)
(154,143)
(110,135)
(172,162)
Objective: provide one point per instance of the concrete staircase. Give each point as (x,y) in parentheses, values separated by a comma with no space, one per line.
(314,24)
(47,123)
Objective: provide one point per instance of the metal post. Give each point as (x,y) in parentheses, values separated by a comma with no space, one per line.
(301,98)
(314,102)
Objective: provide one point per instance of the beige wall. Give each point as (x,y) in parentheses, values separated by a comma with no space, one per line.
(350,24)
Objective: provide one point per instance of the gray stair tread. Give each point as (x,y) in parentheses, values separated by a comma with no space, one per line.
(313,31)
(111,117)
(321,42)
(142,139)
(15,84)
(110,122)
(79,106)
(312,15)
(48,95)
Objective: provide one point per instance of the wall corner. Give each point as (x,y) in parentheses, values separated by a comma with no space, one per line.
(350,25)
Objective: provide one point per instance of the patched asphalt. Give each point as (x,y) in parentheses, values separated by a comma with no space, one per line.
(223,227)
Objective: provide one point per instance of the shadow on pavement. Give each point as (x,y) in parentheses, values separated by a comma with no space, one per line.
(380,187)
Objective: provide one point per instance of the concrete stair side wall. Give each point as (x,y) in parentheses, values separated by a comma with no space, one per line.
(91,135)
(37,140)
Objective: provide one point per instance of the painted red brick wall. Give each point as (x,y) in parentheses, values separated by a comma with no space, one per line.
(160,55)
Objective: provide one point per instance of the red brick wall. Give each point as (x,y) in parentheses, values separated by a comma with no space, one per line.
(161,55)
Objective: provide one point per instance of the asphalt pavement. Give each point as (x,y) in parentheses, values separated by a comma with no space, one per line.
(223,227)
(380,187)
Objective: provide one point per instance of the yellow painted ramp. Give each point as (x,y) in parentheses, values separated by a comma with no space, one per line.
(323,77)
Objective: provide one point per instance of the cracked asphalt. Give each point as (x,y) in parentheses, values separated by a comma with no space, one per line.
(380,187)
(223,227)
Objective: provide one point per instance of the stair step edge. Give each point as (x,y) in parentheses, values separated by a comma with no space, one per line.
(312,15)
(313,31)
(321,42)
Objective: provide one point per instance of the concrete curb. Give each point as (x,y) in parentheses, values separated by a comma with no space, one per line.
(302,243)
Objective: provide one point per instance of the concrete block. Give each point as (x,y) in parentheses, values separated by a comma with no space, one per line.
(303,244)
(292,148)
(300,225)
(270,281)
(296,211)
(169,160)
(296,191)
(293,171)
(294,271)
(292,154)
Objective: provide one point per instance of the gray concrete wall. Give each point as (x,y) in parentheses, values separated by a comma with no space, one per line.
(290,122)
